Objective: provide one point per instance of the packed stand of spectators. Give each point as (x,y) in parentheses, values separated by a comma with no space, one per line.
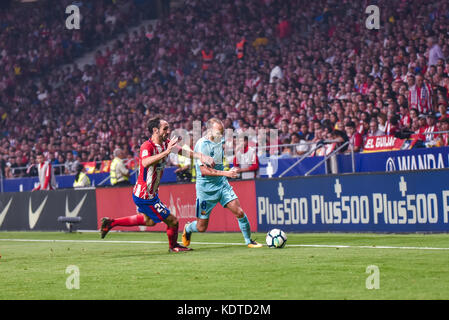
(310,69)
(34,42)
(34,36)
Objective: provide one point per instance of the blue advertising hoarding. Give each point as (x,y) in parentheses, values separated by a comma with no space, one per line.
(403,160)
(382,202)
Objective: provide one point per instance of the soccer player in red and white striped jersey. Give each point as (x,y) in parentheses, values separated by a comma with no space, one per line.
(150,176)
(150,209)
(46,175)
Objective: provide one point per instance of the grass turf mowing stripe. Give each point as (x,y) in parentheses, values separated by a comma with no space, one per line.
(221,243)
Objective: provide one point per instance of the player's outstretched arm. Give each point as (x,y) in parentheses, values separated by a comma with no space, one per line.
(157,157)
(208,161)
(206,171)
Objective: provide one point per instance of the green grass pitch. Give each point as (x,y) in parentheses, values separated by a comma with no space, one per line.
(137,265)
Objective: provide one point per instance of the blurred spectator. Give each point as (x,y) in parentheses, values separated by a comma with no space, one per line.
(303,146)
(431,122)
(70,164)
(16,169)
(246,159)
(286,152)
(442,112)
(355,138)
(435,52)
(374,130)
(81,178)
(119,173)
(46,174)
(420,96)
(442,140)
(31,170)
(276,72)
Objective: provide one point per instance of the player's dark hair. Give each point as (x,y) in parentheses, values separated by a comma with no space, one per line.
(153,123)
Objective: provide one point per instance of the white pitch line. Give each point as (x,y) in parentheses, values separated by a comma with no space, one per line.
(365,247)
(220,243)
(114,241)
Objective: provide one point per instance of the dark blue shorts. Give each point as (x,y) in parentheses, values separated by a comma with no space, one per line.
(153,208)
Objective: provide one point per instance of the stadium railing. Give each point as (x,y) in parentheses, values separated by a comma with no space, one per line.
(97,165)
(318,146)
(91,166)
(333,153)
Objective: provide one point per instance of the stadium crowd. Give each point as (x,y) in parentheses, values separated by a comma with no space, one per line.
(312,70)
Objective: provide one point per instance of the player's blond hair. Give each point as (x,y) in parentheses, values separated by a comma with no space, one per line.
(211,122)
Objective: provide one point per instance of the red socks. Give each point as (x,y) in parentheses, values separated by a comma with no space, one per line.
(139,220)
(172,234)
(136,220)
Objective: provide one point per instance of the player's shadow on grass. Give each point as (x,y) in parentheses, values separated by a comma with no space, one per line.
(212,247)
(163,252)
(143,253)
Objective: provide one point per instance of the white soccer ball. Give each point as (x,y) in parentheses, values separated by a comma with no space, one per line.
(276,238)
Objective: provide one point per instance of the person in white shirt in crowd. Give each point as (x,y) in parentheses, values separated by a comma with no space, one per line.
(374,130)
(303,147)
(71,164)
(276,72)
(435,52)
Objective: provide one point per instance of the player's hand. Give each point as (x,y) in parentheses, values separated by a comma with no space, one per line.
(208,161)
(233,173)
(173,143)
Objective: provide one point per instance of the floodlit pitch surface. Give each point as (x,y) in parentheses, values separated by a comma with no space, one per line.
(138,266)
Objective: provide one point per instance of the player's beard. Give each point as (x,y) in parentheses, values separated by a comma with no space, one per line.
(216,138)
